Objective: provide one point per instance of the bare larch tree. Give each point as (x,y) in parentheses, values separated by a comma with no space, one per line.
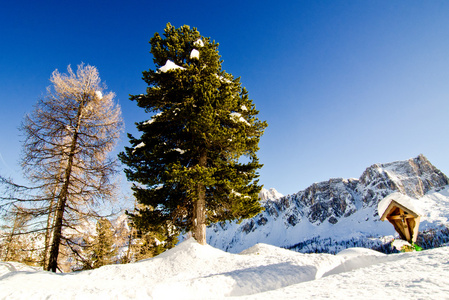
(67,139)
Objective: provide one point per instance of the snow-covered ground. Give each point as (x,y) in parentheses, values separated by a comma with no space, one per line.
(192,271)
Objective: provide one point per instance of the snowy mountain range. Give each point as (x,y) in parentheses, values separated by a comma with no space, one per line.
(326,217)
(336,214)
(339,213)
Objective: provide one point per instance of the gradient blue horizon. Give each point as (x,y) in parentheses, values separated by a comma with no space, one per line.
(342,84)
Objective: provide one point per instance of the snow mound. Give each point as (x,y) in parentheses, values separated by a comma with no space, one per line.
(190,250)
(356,258)
(266,249)
(193,271)
(355,252)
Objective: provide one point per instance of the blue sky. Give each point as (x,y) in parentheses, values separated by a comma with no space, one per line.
(342,84)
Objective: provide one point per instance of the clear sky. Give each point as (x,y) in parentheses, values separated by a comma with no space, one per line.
(342,84)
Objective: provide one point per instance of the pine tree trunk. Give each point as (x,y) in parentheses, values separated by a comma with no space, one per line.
(199,214)
(62,199)
(199,228)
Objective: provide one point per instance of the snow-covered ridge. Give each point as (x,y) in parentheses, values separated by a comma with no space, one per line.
(340,210)
(193,271)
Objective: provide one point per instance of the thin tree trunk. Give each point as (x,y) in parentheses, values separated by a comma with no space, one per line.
(57,232)
(199,207)
(11,237)
(48,232)
(62,199)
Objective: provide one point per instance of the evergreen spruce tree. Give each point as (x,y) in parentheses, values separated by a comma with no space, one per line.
(150,245)
(103,251)
(195,162)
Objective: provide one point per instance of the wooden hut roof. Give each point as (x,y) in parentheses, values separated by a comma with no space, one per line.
(399,200)
(399,211)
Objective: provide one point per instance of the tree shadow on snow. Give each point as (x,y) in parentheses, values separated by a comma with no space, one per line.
(241,282)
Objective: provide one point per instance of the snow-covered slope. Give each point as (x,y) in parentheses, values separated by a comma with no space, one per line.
(192,271)
(336,214)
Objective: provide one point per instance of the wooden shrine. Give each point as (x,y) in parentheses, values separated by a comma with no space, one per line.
(399,212)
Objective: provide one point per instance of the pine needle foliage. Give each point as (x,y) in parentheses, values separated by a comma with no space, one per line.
(103,250)
(195,162)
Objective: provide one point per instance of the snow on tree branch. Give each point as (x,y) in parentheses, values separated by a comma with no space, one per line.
(170,66)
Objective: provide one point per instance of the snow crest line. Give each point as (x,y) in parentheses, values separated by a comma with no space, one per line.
(358,261)
(193,271)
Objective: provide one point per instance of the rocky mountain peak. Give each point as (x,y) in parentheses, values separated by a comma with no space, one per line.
(331,202)
(413,177)
(270,194)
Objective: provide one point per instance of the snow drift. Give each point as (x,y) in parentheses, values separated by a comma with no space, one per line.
(191,271)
